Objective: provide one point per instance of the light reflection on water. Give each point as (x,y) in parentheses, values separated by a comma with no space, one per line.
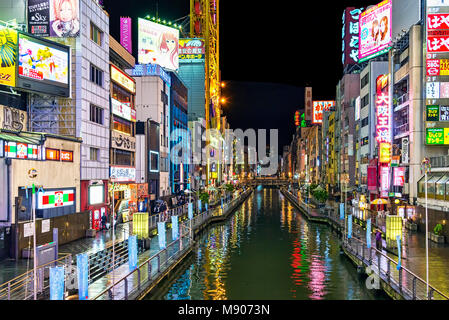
(268,250)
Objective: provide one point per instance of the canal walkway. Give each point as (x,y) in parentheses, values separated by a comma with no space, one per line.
(152,262)
(405,283)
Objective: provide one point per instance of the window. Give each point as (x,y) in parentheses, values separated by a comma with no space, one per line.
(96,114)
(364,81)
(364,101)
(94,154)
(95,34)
(122,157)
(122,126)
(154,161)
(96,75)
(364,122)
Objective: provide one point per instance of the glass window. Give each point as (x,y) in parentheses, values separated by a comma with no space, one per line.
(95,34)
(122,125)
(431,183)
(93,156)
(440,185)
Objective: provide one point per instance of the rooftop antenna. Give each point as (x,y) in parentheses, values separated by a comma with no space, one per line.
(157,9)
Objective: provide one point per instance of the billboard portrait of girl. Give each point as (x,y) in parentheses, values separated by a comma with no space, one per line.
(375,32)
(65,20)
(383,29)
(168,47)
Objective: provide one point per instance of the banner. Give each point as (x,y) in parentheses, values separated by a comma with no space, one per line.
(125,33)
(56,283)
(161,235)
(132,252)
(174,227)
(8,57)
(368,233)
(190,211)
(342,211)
(398,239)
(372,178)
(349,226)
(82,271)
(221,203)
(206,206)
(39,17)
(199,206)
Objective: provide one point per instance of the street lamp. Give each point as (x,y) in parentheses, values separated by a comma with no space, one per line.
(425,165)
(111,179)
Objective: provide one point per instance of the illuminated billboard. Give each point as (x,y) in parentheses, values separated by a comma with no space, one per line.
(437,136)
(192,50)
(43,66)
(375,30)
(158,44)
(318,108)
(8,56)
(350,36)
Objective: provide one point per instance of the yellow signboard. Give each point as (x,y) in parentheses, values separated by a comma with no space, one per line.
(444,67)
(446,135)
(8,56)
(385,152)
(123,79)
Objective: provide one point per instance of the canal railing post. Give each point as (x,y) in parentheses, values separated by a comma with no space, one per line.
(149,269)
(400,279)
(138,278)
(414,288)
(158,262)
(388,270)
(126,288)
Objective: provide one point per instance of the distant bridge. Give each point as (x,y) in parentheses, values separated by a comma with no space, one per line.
(266,181)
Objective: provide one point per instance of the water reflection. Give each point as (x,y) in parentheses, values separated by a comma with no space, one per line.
(267,250)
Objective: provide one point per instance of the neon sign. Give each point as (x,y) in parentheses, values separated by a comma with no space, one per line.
(383,112)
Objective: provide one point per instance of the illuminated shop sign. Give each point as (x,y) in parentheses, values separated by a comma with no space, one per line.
(437,67)
(123,174)
(318,108)
(350,36)
(7,57)
(375,30)
(22,150)
(398,176)
(384,181)
(123,79)
(51,154)
(66,155)
(120,109)
(192,50)
(96,194)
(383,112)
(54,199)
(437,136)
(384,152)
(151,70)
(437,113)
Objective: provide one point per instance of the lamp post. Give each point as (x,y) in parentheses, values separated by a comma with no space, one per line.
(111,179)
(425,165)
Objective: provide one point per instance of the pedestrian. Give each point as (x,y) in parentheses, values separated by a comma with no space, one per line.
(378,240)
(103,222)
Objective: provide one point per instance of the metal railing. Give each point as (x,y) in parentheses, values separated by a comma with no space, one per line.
(22,286)
(165,216)
(150,269)
(403,281)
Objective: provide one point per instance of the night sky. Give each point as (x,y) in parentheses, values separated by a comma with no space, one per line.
(268,52)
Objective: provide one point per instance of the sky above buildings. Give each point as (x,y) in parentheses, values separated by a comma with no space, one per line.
(289,44)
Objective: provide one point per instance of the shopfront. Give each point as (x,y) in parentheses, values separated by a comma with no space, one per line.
(95,200)
(124,189)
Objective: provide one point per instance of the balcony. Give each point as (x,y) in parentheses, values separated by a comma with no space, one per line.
(401,129)
(398,101)
(439,162)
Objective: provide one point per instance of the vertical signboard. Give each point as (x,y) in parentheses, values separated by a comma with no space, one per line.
(39,17)
(161,235)
(82,270)
(350,36)
(368,233)
(125,33)
(190,211)
(349,226)
(132,252)
(308,103)
(8,56)
(174,228)
(57,283)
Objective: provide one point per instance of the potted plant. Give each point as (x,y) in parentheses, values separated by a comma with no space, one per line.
(410,225)
(320,196)
(437,234)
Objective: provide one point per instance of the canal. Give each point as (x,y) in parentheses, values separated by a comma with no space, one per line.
(267,250)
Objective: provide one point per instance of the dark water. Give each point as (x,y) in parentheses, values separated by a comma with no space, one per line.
(268,250)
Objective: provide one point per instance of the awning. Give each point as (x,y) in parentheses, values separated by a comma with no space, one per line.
(20,139)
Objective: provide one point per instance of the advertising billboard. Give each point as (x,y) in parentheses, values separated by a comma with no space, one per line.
(125,34)
(123,79)
(375,30)
(8,56)
(192,50)
(383,111)
(39,17)
(158,44)
(318,108)
(43,66)
(350,36)
(437,136)
(64,18)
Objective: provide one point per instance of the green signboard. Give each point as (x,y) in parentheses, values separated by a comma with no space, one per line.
(433,113)
(435,136)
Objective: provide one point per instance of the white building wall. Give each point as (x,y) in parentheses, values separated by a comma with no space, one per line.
(89,52)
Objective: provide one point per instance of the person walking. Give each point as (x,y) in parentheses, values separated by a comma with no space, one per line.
(378,240)
(103,222)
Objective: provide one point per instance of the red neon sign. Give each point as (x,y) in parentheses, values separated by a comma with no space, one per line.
(383,112)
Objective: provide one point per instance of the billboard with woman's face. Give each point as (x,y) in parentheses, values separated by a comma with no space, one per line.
(375,30)
(64,18)
(158,44)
